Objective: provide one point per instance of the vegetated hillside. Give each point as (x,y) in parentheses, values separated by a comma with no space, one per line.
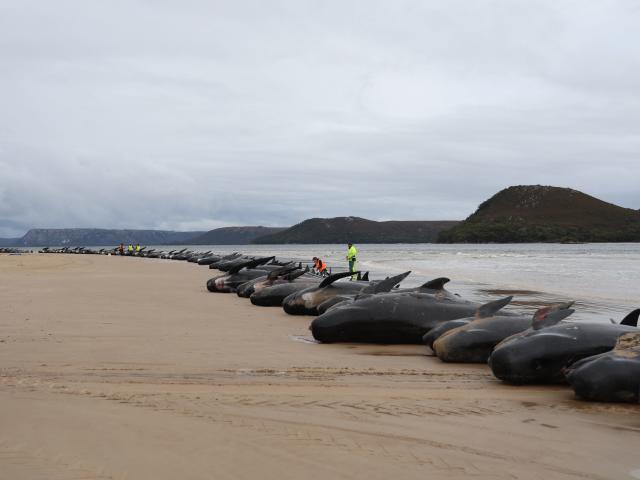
(358,230)
(232,235)
(101,237)
(536,213)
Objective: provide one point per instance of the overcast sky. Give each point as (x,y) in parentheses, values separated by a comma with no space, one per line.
(199,114)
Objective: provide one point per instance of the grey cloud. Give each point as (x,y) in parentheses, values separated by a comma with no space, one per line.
(201,114)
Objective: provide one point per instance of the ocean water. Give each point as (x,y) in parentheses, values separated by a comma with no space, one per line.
(603,279)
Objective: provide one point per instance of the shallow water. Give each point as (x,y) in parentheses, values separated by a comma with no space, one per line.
(603,279)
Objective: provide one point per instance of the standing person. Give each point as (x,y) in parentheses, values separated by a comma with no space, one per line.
(351,258)
(137,248)
(130,249)
(121,249)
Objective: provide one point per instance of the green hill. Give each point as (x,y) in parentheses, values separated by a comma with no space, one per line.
(536,213)
(357,230)
(232,235)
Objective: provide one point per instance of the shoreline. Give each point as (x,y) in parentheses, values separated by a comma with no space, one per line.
(128,368)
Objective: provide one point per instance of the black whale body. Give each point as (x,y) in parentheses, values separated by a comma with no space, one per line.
(388,285)
(274,295)
(239,274)
(308,301)
(391,318)
(539,356)
(609,377)
(275,277)
(474,341)
(440,329)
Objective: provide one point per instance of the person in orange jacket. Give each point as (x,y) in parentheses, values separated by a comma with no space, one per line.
(319,266)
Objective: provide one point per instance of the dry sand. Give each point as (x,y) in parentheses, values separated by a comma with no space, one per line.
(127,368)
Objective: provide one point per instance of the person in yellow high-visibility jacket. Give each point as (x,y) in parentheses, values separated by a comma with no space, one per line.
(351,258)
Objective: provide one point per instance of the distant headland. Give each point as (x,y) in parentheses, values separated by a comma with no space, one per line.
(537,213)
(517,214)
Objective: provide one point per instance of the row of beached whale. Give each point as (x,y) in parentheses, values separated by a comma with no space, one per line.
(11,250)
(600,360)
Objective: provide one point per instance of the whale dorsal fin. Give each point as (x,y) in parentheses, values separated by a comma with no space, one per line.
(365,277)
(385,285)
(631,319)
(542,313)
(489,309)
(546,317)
(435,284)
(249,264)
(336,276)
(628,340)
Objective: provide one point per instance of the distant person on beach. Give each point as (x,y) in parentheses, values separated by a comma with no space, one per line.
(137,248)
(320,267)
(121,249)
(351,258)
(130,249)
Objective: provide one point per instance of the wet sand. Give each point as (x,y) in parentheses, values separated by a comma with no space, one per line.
(127,368)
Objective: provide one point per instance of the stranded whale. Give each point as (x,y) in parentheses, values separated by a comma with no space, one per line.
(609,377)
(393,317)
(474,342)
(539,355)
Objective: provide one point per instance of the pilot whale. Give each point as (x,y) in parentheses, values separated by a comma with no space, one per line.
(609,377)
(539,354)
(474,342)
(237,275)
(393,317)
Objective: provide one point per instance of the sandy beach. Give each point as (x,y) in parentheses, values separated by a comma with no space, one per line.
(127,368)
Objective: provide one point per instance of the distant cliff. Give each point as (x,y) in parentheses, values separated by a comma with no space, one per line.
(232,235)
(536,213)
(358,230)
(100,237)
